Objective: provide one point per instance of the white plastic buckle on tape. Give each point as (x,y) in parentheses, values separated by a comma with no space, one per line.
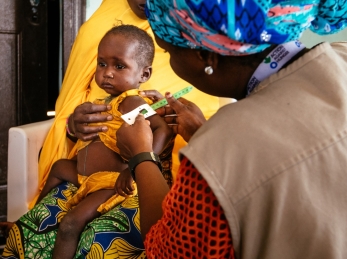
(145,109)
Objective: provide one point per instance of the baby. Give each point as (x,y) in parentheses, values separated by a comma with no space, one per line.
(125,56)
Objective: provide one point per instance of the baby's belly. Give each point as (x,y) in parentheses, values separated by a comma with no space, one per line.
(97,157)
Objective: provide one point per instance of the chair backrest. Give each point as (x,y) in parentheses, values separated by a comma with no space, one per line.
(24,145)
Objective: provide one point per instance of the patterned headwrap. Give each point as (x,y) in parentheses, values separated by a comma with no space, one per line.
(242,27)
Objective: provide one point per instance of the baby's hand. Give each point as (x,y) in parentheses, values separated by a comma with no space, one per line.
(124,184)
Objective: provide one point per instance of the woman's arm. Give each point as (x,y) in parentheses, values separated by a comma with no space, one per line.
(151,184)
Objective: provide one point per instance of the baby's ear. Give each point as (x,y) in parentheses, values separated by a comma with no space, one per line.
(146,74)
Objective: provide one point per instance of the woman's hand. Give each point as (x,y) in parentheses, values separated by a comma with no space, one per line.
(88,113)
(136,138)
(183,116)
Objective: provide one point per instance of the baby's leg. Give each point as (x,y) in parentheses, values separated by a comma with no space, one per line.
(75,220)
(62,170)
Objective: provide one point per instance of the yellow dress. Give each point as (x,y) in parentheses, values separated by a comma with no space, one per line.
(79,85)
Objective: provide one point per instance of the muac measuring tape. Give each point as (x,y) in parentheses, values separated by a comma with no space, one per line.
(177,95)
(149,110)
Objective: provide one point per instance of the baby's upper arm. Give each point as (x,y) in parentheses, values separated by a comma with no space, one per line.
(130,103)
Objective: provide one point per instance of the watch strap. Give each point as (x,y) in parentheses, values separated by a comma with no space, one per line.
(141,157)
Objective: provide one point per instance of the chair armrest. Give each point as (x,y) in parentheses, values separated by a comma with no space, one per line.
(24,145)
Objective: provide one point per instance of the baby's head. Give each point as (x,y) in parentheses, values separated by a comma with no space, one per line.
(124,61)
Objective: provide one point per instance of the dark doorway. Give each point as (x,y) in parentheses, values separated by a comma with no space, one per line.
(54,51)
(39,62)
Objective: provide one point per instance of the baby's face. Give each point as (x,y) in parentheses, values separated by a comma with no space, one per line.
(138,7)
(117,70)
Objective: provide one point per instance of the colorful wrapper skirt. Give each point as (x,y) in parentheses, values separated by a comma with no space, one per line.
(115,234)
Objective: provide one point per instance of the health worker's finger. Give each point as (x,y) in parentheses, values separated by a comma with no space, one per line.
(175,104)
(154,95)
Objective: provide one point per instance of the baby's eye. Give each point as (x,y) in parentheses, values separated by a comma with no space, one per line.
(101,64)
(120,66)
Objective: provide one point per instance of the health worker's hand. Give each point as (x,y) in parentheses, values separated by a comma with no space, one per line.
(136,138)
(183,116)
(154,95)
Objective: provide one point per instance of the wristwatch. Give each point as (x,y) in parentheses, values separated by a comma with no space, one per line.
(141,157)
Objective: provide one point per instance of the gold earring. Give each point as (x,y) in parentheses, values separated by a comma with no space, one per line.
(209,70)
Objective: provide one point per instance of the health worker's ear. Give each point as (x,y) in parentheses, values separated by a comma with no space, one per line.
(208,58)
(146,74)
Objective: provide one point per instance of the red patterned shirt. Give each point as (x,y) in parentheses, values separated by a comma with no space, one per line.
(193,223)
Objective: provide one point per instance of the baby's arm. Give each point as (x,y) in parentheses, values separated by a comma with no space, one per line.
(162,133)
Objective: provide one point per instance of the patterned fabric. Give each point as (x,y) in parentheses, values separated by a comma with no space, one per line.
(241,27)
(115,234)
(191,213)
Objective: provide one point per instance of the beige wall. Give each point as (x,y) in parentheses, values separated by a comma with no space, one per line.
(310,39)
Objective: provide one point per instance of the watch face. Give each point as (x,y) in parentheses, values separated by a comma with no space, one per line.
(153,156)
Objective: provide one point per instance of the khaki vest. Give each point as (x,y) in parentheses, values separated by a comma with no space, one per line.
(277,161)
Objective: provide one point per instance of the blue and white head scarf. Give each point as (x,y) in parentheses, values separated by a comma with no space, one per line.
(242,27)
